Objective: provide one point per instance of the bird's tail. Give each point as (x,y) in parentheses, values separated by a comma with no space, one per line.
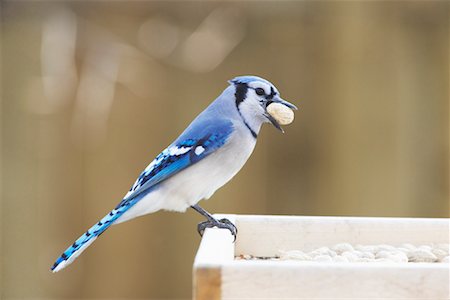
(90,236)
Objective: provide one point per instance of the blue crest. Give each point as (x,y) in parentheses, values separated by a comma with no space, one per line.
(247,79)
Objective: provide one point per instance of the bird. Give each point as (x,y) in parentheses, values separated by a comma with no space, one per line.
(207,154)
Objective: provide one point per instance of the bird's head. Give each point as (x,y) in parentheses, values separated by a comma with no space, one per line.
(253,95)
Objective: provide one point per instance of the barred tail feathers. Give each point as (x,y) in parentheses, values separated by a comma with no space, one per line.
(90,236)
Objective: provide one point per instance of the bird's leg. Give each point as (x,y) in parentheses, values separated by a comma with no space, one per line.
(213,222)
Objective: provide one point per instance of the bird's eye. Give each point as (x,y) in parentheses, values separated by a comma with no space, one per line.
(259,91)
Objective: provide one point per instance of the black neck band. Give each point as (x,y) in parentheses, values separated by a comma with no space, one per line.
(241,92)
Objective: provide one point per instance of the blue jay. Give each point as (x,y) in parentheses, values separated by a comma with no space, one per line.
(203,158)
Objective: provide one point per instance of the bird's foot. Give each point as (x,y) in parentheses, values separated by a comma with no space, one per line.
(222,223)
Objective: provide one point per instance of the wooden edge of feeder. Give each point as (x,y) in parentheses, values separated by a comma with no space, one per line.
(208,283)
(215,249)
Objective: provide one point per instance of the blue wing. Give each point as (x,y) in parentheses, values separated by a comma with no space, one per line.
(199,140)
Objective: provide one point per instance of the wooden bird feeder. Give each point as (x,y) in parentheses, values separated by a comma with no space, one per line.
(219,275)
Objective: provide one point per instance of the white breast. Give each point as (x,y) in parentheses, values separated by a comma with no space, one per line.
(198,181)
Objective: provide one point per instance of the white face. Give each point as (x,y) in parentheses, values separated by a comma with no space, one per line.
(259,94)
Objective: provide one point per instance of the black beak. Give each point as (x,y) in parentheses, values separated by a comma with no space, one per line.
(284,102)
(274,122)
(272,119)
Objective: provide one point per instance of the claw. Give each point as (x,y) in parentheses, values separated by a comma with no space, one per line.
(230,226)
(202,226)
(222,223)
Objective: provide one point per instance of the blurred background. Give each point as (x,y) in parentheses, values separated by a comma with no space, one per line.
(93,91)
